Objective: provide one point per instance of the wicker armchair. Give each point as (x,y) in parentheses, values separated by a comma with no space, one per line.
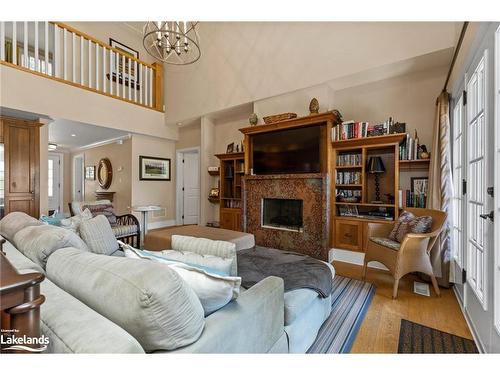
(126,229)
(411,255)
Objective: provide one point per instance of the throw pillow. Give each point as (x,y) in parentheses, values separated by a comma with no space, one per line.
(98,235)
(73,223)
(214,289)
(147,299)
(15,221)
(409,223)
(39,242)
(204,246)
(105,209)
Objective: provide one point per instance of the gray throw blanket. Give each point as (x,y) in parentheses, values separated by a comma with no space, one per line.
(297,270)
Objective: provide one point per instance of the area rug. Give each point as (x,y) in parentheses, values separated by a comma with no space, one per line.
(350,301)
(416,338)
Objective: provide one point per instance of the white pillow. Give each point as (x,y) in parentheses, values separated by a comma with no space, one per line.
(73,223)
(214,290)
(222,265)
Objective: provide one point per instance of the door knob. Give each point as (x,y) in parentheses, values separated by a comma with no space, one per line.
(490,216)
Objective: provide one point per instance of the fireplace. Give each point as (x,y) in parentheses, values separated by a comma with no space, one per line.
(283,214)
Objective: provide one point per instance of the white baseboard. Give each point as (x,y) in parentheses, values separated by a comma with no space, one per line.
(161,224)
(352,257)
(471,326)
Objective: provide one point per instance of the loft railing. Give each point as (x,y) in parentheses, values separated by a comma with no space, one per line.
(62,53)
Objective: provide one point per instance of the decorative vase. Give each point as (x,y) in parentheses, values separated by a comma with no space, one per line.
(253,119)
(314,106)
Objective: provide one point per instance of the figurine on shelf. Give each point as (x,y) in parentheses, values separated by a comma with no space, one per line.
(253,119)
(314,106)
(237,148)
(423,153)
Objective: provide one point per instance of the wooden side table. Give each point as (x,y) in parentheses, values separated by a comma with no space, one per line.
(20,302)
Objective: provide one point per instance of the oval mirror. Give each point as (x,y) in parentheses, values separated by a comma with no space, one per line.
(105,173)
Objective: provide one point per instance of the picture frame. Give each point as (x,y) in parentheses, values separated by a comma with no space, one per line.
(90,172)
(419,185)
(124,76)
(154,169)
(214,193)
(230,148)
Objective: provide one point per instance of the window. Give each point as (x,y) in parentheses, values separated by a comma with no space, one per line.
(458,176)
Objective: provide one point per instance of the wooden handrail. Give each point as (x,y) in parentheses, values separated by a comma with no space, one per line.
(102,44)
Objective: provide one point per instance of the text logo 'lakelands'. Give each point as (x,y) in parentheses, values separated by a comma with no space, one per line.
(24,343)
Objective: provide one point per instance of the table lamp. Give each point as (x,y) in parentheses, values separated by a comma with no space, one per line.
(376,167)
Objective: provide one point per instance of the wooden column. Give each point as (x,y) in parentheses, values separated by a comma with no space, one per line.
(158,85)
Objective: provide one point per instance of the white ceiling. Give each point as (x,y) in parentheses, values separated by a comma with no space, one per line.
(61,130)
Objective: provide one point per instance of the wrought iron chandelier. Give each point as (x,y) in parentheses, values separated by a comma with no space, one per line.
(173,42)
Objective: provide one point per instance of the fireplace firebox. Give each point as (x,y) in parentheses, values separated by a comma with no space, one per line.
(283,214)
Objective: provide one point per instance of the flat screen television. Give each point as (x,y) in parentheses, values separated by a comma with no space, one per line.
(287,151)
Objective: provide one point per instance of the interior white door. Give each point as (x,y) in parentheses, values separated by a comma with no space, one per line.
(78,178)
(480,177)
(191,187)
(54,182)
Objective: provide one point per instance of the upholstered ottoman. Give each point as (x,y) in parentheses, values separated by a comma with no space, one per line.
(161,239)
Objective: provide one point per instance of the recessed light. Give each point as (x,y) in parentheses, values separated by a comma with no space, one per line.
(73,135)
(179,123)
(52,147)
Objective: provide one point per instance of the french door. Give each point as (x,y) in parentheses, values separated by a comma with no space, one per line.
(480,177)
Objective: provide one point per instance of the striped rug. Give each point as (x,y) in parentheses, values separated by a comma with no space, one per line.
(350,301)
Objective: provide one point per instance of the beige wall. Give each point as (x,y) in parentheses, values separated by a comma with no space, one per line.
(189,136)
(290,56)
(120,157)
(160,193)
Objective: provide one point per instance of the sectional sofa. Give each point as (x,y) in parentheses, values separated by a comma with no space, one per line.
(106,303)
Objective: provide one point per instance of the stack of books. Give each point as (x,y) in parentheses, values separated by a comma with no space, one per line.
(348,178)
(352,129)
(409,148)
(346,160)
(409,199)
(347,193)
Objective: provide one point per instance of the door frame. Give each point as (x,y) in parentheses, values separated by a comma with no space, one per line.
(179,177)
(496,184)
(73,180)
(61,178)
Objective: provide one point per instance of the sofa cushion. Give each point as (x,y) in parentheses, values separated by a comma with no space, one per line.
(124,230)
(213,288)
(14,222)
(98,235)
(73,327)
(147,299)
(39,242)
(387,242)
(18,260)
(204,246)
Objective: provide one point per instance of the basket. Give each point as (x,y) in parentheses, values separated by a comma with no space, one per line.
(281,117)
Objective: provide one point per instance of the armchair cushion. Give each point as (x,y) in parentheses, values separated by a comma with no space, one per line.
(409,223)
(124,230)
(386,242)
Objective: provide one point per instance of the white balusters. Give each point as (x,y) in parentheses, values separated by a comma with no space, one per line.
(90,63)
(56,52)
(2,41)
(26,58)
(150,91)
(14,43)
(135,81)
(123,76)
(37,62)
(47,48)
(129,79)
(117,87)
(73,56)
(141,83)
(104,69)
(146,85)
(81,59)
(65,54)
(111,72)
(97,66)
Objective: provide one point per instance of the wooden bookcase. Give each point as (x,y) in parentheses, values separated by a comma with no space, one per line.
(231,171)
(350,219)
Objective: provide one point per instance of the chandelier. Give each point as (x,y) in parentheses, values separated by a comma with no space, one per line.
(173,42)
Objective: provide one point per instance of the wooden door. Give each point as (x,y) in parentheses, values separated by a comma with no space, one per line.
(22,182)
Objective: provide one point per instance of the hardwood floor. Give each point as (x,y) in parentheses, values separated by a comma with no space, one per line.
(379,332)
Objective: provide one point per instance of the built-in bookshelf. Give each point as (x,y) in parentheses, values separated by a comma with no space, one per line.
(353,191)
(232,170)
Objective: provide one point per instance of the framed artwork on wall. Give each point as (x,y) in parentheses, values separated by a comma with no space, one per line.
(126,75)
(154,169)
(90,172)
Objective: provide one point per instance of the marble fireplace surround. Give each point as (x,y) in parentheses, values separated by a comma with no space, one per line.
(312,189)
